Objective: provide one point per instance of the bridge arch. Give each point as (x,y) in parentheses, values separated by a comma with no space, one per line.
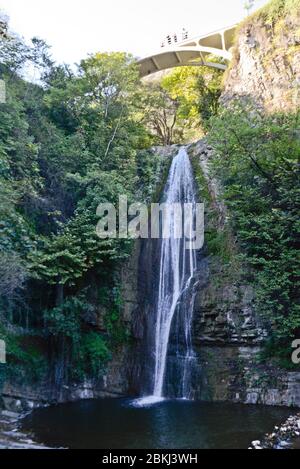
(191,52)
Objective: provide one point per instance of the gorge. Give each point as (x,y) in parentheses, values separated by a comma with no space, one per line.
(157,342)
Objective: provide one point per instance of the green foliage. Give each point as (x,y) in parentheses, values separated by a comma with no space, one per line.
(218,244)
(276,9)
(114,325)
(150,170)
(159,114)
(201,182)
(64,320)
(280,352)
(90,357)
(25,362)
(217,240)
(72,141)
(248,5)
(256,158)
(100,103)
(87,351)
(197,90)
(178,107)
(95,352)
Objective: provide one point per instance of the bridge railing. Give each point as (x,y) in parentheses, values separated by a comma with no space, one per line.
(175,38)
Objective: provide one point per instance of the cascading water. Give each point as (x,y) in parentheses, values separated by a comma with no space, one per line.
(174,286)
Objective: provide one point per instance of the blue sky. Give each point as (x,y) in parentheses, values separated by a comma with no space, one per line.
(75,28)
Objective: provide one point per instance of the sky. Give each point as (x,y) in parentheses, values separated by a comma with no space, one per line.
(76,28)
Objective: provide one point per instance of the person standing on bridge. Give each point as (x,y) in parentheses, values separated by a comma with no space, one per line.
(185,34)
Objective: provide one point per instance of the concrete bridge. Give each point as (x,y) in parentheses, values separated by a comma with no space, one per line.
(192,52)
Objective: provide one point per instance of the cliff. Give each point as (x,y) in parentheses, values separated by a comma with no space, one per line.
(266,62)
(227,333)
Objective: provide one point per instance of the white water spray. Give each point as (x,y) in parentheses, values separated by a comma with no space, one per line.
(177,269)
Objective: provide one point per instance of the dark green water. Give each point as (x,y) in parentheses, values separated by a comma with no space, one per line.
(116,424)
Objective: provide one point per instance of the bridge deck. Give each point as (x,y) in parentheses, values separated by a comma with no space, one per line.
(192,52)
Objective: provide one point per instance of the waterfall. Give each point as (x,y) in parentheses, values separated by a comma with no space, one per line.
(174,286)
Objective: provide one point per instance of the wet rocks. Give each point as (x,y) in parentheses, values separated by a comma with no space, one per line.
(256,445)
(282,437)
(11,437)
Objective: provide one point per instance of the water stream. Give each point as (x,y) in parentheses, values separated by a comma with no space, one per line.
(167,357)
(174,284)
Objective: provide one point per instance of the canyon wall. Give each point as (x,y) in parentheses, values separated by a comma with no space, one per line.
(227,332)
(266,61)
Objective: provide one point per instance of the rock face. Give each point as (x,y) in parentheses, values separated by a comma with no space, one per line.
(227,336)
(117,378)
(11,437)
(3,29)
(227,331)
(224,315)
(266,64)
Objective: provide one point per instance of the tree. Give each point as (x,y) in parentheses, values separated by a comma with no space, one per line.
(197,91)
(256,159)
(66,144)
(248,6)
(159,113)
(178,108)
(13,275)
